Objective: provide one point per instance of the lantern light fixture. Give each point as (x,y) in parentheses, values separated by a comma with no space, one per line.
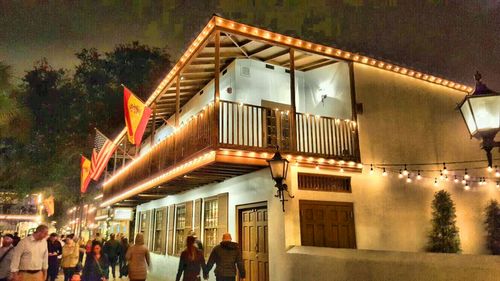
(481,113)
(279,169)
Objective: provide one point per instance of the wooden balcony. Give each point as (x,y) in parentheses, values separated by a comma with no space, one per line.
(215,145)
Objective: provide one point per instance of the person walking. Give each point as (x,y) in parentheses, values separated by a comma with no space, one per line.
(70,256)
(17,239)
(97,238)
(6,256)
(227,257)
(122,260)
(31,256)
(197,242)
(138,259)
(191,262)
(96,264)
(112,250)
(55,249)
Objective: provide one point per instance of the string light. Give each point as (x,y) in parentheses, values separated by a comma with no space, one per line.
(467,187)
(408,179)
(497,173)
(371,169)
(466,175)
(455,180)
(384,172)
(405,171)
(441,177)
(435,182)
(400,174)
(464,181)
(498,184)
(419,176)
(489,169)
(341,170)
(445,171)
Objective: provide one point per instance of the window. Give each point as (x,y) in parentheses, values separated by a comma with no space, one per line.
(160,231)
(330,183)
(180,224)
(327,224)
(210,222)
(144,226)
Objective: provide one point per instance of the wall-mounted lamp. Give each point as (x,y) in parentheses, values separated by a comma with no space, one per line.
(279,169)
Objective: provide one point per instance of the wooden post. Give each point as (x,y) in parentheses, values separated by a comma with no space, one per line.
(352,85)
(293,129)
(215,128)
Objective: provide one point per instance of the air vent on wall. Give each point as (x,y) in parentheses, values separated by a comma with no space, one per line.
(201,92)
(287,70)
(330,183)
(245,71)
(224,72)
(269,66)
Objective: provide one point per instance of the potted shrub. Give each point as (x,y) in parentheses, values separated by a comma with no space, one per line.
(443,238)
(492,224)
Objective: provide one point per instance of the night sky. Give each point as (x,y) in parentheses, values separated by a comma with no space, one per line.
(445,38)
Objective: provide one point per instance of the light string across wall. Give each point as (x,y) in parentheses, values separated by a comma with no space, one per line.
(459,174)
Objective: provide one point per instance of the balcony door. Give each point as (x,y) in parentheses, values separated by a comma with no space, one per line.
(277,124)
(253,237)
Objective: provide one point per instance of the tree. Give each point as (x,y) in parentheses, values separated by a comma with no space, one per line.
(492,225)
(443,237)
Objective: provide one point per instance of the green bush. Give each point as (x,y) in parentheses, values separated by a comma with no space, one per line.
(443,238)
(492,224)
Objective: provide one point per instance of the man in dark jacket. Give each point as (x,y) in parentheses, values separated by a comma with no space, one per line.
(227,257)
(112,249)
(54,249)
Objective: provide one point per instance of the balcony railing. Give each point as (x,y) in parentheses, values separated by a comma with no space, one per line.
(244,127)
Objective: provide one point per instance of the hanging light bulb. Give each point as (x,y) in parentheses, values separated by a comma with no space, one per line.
(435,182)
(405,171)
(498,184)
(466,175)
(455,180)
(484,180)
(419,176)
(497,173)
(464,181)
(467,187)
(341,170)
(400,175)
(446,178)
(441,177)
(445,171)
(489,169)
(408,179)
(384,173)
(371,169)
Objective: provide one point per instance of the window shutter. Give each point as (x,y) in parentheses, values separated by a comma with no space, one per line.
(222,218)
(197,217)
(189,218)
(171,218)
(164,224)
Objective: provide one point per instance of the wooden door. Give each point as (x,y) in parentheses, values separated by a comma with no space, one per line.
(277,126)
(254,243)
(327,224)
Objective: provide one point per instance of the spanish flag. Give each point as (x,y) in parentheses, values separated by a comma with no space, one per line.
(136,116)
(49,205)
(85,174)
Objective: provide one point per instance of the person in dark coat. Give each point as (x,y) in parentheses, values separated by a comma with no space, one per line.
(122,259)
(96,264)
(112,249)
(191,262)
(227,257)
(54,249)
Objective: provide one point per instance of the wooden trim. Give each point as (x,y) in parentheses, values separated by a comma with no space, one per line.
(177,99)
(215,127)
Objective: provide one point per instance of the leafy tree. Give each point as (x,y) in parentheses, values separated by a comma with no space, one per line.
(443,237)
(492,224)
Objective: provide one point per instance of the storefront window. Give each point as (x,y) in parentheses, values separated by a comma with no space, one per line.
(159,231)
(180,224)
(211,214)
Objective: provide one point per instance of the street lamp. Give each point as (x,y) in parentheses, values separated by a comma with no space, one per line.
(279,169)
(481,113)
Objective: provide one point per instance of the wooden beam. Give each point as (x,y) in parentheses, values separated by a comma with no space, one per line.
(318,65)
(278,54)
(177,100)
(293,132)
(215,129)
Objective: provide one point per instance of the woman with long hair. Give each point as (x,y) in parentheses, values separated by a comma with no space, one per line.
(138,259)
(191,263)
(96,264)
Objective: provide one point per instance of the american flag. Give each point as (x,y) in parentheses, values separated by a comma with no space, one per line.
(103,149)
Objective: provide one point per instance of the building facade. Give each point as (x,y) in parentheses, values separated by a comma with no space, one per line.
(369,143)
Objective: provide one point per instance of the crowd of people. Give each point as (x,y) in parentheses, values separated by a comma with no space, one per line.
(42,257)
